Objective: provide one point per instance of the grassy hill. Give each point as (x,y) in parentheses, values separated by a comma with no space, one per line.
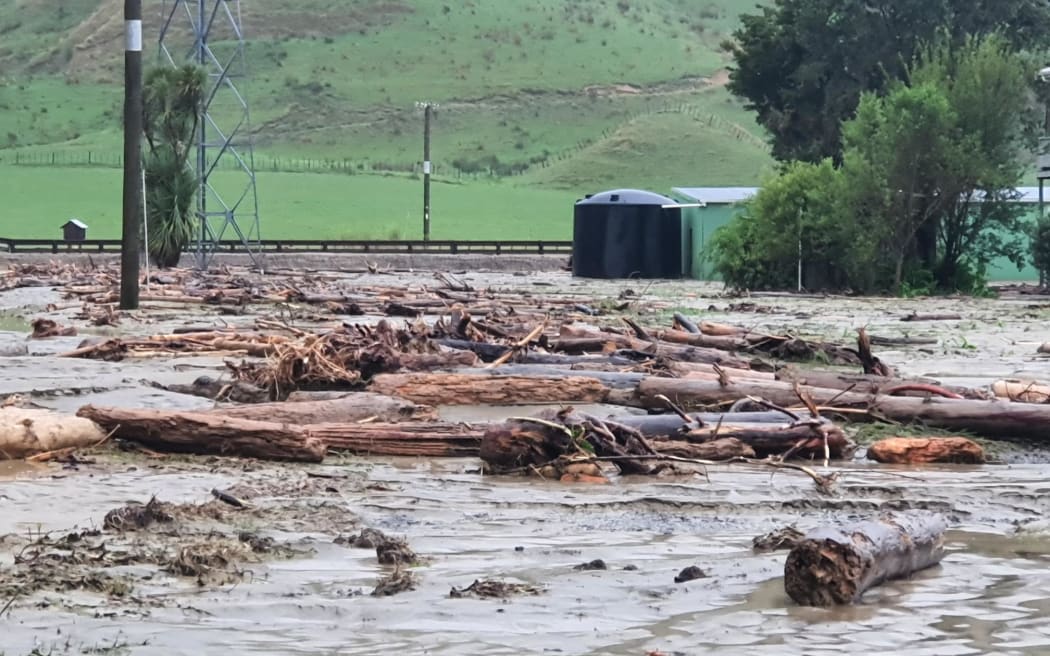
(561,96)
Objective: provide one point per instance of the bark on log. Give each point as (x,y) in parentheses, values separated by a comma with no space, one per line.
(428,439)
(869,383)
(771,439)
(725,448)
(920,450)
(350,407)
(384,408)
(988,418)
(28,431)
(203,433)
(669,425)
(460,389)
(1025,391)
(836,565)
(610,379)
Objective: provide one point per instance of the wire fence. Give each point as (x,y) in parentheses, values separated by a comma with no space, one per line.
(487,167)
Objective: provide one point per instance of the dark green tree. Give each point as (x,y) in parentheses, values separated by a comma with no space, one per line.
(172,99)
(802,65)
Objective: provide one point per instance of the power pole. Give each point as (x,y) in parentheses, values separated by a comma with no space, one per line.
(132,224)
(428,113)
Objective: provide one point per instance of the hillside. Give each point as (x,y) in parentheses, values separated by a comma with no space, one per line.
(567,95)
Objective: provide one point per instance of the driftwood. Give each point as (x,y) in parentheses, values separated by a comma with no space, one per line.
(873,384)
(44,328)
(207,433)
(557,444)
(28,431)
(832,565)
(203,433)
(725,448)
(382,408)
(988,418)
(350,407)
(1025,391)
(921,450)
(915,316)
(484,389)
(804,441)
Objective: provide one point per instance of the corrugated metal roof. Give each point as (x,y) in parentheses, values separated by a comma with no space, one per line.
(717,195)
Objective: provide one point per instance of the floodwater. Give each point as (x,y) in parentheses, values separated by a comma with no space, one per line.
(990,595)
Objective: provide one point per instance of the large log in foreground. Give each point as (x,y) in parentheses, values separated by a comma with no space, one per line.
(832,566)
(28,431)
(203,433)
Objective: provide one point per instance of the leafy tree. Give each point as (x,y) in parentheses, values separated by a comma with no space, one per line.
(172,99)
(760,248)
(802,65)
(938,154)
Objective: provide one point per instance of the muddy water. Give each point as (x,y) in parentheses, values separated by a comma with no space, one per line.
(991,594)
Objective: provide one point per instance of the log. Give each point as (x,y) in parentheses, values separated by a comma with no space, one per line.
(350,407)
(383,408)
(989,418)
(490,352)
(610,379)
(836,565)
(210,434)
(725,448)
(1025,391)
(870,383)
(685,323)
(463,389)
(663,339)
(668,425)
(28,431)
(915,316)
(429,439)
(772,439)
(921,450)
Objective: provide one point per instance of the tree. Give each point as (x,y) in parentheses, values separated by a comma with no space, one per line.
(172,99)
(988,86)
(897,167)
(937,154)
(760,248)
(802,65)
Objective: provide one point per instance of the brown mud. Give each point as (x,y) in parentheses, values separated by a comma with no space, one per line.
(296,570)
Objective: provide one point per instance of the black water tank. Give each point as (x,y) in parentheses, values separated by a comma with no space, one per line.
(627,233)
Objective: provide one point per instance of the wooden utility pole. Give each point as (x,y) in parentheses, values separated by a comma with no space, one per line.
(427,112)
(133,194)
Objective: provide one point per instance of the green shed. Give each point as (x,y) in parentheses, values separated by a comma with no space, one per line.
(718,206)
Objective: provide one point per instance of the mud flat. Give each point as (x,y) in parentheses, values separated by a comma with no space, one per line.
(88,565)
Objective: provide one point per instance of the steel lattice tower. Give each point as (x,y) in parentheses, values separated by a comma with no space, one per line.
(208,33)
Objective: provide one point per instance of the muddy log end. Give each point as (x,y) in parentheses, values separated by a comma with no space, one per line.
(917,450)
(516,444)
(834,566)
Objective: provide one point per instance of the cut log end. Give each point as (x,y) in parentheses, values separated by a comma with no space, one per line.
(823,573)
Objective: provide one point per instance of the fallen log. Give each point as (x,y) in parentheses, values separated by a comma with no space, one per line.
(350,407)
(685,323)
(462,389)
(989,418)
(725,448)
(610,379)
(805,441)
(836,565)
(921,450)
(382,408)
(669,425)
(1025,391)
(203,433)
(915,316)
(426,439)
(872,384)
(28,431)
